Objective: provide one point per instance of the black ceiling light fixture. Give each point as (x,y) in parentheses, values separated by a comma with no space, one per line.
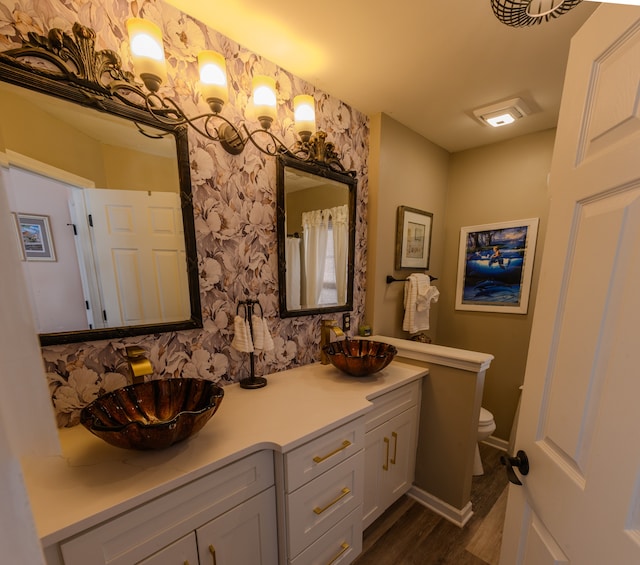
(520,13)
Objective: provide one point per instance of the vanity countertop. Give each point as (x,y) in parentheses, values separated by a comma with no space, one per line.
(92,481)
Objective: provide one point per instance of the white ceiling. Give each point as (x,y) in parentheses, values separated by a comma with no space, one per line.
(426,63)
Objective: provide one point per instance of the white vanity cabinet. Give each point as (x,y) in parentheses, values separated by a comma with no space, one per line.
(323,497)
(390,449)
(227,517)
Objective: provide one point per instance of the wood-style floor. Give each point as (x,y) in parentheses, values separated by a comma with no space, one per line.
(410,534)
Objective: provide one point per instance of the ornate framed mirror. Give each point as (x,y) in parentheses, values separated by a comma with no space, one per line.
(316,220)
(114,185)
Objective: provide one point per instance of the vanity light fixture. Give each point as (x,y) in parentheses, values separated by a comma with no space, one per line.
(502,113)
(148,59)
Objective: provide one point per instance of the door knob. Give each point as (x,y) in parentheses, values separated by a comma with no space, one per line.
(521,461)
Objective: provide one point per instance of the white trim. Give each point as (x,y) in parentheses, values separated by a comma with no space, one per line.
(438,354)
(456,516)
(35,166)
(498,443)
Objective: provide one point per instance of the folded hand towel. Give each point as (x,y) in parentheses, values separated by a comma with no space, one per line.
(418,295)
(268,340)
(258,331)
(242,337)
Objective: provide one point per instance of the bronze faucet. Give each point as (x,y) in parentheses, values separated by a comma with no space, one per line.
(139,365)
(329,332)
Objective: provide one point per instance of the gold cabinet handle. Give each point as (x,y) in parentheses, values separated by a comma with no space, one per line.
(346,443)
(395,447)
(343,548)
(345,492)
(212,550)
(386,465)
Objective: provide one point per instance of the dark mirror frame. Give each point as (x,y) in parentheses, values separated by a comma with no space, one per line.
(329,170)
(76,72)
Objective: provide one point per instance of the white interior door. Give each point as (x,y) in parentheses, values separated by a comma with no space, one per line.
(580,422)
(138,244)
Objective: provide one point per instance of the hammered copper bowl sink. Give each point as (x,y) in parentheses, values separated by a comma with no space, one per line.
(360,357)
(154,414)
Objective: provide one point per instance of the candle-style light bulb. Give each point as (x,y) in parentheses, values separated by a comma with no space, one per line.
(264,99)
(213,79)
(305,116)
(147,52)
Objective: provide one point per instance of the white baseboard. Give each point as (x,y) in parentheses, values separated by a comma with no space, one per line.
(456,516)
(498,443)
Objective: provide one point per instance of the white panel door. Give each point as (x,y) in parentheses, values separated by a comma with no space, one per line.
(580,422)
(139,249)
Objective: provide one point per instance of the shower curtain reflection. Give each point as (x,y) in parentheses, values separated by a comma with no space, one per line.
(325,255)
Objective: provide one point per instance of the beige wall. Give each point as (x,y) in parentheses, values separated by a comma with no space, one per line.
(494,183)
(405,170)
(29,131)
(316,198)
(499,182)
(134,170)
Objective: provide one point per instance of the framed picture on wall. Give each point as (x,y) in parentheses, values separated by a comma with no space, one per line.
(495,264)
(413,238)
(35,237)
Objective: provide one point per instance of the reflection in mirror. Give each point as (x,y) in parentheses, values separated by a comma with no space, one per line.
(316,238)
(103,217)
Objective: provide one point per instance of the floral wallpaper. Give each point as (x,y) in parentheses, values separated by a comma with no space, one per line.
(234,202)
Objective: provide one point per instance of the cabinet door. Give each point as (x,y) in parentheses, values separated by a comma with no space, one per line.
(402,455)
(245,535)
(181,552)
(375,454)
(390,457)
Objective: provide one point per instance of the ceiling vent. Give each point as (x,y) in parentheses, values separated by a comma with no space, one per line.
(502,113)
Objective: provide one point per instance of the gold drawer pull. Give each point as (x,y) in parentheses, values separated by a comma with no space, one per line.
(346,443)
(386,465)
(344,548)
(395,447)
(345,492)
(213,553)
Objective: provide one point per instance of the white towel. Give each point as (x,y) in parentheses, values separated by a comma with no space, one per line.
(258,331)
(418,296)
(268,344)
(242,337)
(261,337)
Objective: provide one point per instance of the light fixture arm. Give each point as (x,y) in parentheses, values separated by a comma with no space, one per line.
(96,78)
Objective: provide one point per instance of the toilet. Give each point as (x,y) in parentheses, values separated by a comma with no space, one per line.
(486,426)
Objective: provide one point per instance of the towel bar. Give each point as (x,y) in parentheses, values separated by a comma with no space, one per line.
(391,279)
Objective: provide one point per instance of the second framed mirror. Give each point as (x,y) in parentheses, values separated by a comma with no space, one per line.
(316,237)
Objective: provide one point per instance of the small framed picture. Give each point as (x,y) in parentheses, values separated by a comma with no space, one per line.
(413,238)
(35,239)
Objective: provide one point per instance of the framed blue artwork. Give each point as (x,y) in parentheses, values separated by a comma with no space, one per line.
(495,265)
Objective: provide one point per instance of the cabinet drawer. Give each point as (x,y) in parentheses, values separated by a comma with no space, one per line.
(148,528)
(339,546)
(391,404)
(320,504)
(314,458)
